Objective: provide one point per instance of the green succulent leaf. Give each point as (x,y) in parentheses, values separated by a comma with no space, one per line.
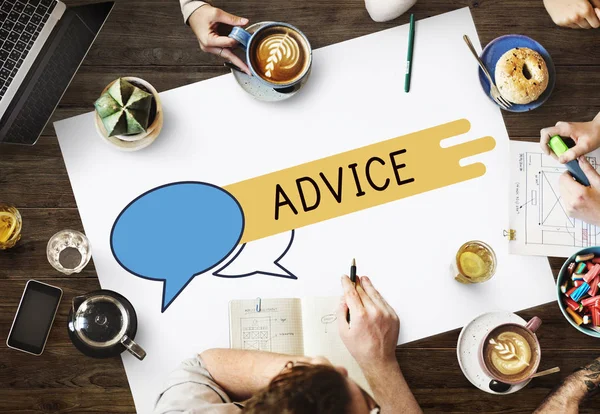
(106,105)
(124,109)
(115,124)
(134,126)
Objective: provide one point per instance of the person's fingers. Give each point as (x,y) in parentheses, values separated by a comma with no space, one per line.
(595,4)
(342,313)
(220,41)
(222,16)
(567,186)
(353,300)
(371,291)
(592,19)
(589,171)
(581,148)
(597,10)
(561,128)
(364,297)
(375,296)
(573,26)
(229,55)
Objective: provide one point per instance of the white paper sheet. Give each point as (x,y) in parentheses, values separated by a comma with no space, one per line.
(354,97)
(537,212)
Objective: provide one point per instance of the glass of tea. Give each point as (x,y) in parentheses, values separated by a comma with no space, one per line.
(69,251)
(475,262)
(10,226)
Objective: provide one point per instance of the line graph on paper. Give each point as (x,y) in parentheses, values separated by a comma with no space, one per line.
(538,213)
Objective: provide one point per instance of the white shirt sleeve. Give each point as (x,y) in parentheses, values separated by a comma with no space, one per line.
(191,389)
(190,6)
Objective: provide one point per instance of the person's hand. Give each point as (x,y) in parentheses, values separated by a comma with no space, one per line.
(582,202)
(585,134)
(372,334)
(576,14)
(204,22)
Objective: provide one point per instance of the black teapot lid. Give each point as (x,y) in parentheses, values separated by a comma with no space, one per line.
(100,321)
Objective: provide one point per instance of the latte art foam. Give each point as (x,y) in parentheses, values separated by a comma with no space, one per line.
(510,353)
(280,55)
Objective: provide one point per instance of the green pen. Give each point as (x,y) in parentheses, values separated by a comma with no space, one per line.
(411,41)
(558,146)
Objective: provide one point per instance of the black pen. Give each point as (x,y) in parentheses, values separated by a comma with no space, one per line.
(353,280)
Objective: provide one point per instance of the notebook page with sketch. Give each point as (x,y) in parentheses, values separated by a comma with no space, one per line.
(321,336)
(306,326)
(537,213)
(276,328)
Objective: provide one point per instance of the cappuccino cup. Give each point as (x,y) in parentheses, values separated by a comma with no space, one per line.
(278,54)
(510,352)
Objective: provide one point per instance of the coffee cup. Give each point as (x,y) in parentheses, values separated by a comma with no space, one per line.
(278,54)
(510,352)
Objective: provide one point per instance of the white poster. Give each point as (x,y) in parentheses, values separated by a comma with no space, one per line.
(217,134)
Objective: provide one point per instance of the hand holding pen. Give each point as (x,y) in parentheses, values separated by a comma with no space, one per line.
(372,335)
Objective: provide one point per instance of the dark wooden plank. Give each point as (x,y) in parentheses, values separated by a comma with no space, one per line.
(143,32)
(439,385)
(66,400)
(27,260)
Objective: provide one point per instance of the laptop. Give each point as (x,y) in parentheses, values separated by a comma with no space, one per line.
(42,44)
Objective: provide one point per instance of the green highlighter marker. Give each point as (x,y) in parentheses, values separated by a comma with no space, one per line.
(558,146)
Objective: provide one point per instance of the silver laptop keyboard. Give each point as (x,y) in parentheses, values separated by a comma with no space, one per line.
(20,24)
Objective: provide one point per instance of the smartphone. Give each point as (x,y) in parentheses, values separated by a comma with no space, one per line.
(34,318)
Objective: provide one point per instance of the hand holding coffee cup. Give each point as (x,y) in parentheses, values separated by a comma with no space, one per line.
(278,54)
(511,353)
(205,22)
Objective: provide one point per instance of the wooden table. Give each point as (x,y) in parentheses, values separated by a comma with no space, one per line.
(148,39)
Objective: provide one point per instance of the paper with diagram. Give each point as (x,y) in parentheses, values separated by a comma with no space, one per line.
(294,326)
(537,213)
(279,205)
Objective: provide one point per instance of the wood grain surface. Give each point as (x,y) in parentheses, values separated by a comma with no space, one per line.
(147,38)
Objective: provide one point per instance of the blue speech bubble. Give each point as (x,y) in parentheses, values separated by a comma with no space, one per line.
(175,232)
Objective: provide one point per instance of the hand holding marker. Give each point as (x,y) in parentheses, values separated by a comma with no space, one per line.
(558,146)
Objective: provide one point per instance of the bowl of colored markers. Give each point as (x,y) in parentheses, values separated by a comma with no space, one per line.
(578,291)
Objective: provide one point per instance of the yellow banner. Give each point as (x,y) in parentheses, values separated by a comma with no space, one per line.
(355,180)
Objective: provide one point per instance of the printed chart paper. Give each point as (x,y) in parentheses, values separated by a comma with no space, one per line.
(354,100)
(537,212)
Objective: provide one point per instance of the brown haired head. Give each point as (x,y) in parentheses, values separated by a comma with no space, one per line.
(303,389)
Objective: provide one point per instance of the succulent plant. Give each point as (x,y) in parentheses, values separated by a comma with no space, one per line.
(124,109)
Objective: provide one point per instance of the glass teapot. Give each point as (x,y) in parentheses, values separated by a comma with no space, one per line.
(103,324)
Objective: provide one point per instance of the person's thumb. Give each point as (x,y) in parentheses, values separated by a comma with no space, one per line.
(230,19)
(590,172)
(580,149)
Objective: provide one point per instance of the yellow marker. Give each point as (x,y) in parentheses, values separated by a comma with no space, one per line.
(356,180)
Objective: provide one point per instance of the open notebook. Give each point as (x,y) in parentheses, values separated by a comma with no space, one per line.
(306,326)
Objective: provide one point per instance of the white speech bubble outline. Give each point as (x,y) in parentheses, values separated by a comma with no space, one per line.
(256,257)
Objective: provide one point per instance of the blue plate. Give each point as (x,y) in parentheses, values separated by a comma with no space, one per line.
(496,48)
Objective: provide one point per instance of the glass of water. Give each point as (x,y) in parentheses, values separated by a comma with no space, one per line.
(69,251)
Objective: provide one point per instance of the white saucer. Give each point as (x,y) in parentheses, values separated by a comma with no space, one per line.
(256,88)
(467,348)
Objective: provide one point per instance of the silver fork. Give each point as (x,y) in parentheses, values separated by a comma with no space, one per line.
(496,95)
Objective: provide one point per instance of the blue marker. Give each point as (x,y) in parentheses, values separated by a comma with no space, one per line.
(558,146)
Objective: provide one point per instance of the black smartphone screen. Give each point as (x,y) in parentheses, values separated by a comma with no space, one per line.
(34,317)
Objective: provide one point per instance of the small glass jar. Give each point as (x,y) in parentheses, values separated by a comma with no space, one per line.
(10,226)
(69,251)
(475,262)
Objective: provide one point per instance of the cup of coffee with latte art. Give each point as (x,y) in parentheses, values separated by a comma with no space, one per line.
(511,352)
(278,54)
